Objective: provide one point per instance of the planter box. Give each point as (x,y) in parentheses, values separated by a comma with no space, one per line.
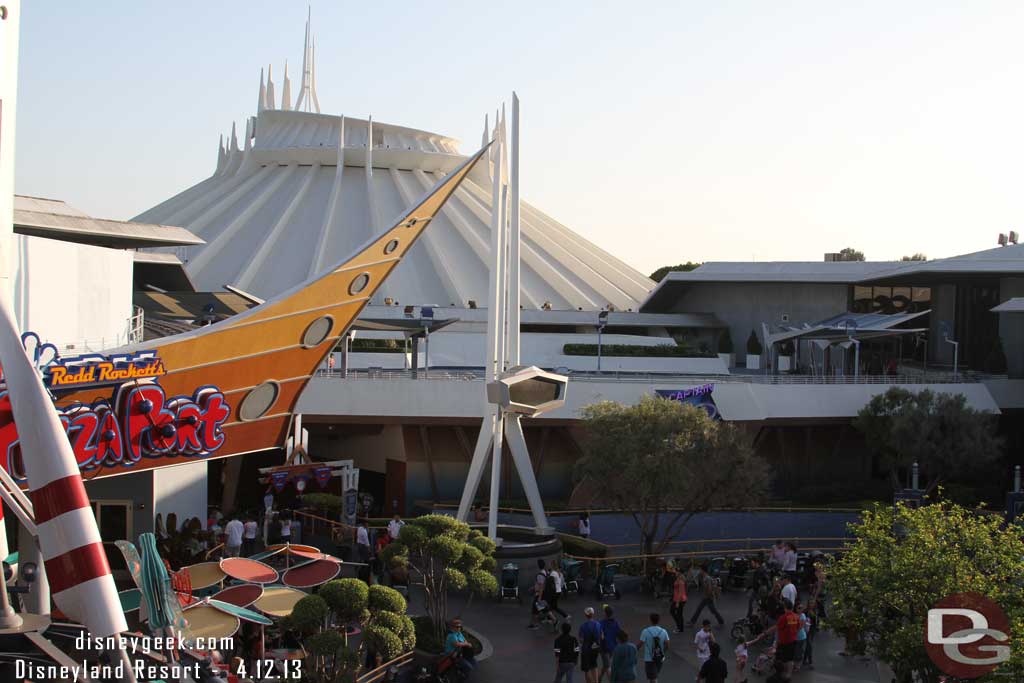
(785,363)
(729,359)
(753,362)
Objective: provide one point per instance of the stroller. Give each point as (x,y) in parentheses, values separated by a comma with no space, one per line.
(571,575)
(738,570)
(606,582)
(510,583)
(748,628)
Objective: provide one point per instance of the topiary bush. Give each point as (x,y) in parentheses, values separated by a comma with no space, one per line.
(443,554)
(347,598)
(754,347)
(725,342)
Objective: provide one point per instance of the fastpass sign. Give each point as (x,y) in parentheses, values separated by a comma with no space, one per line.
(138,421)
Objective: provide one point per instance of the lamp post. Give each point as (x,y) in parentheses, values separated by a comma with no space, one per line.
(602,321)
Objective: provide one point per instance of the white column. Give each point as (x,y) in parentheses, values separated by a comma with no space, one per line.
(496,446)
(513,235)
(9,31)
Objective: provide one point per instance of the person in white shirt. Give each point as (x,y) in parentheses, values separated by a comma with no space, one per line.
(788,590)
(583,526)
(395,527)
(249,536)
(233,543)
(778,555)
(363,542)
(789,561)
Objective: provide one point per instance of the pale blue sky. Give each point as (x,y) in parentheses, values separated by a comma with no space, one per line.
(664,132)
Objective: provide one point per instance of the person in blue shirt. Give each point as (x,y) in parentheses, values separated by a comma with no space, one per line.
(456,642)
(654,640)
(609,631)
(590,646)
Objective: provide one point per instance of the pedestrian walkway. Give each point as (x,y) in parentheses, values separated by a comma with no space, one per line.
(527,656)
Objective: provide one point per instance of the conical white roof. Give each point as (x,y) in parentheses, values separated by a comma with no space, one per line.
(290,201)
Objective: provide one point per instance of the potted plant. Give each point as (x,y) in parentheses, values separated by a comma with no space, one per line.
(785,359)
(725,350)
(753,352)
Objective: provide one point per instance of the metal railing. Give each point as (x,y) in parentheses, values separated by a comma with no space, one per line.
(477,375)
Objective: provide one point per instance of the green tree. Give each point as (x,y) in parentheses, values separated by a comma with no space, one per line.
(660,273)
(940,432)
(904,561)
(850,254)
(444,554)
(918,256)
(663,462)
(323,620)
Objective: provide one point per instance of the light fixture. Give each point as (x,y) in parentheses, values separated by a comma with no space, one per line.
(528,391)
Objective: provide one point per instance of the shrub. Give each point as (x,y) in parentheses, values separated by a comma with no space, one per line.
(725,342)
(630,350)
(324,503)
(754,347)
(347,598)
(385,599)
(309,614)
(582,547)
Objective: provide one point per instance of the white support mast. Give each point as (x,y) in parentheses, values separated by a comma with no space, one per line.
(501,415)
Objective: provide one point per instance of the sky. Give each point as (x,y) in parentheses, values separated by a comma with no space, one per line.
(664,132)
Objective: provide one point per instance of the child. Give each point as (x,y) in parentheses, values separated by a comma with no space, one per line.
(741,662)
(703,640)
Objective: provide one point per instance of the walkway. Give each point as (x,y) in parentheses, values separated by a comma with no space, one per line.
(525,656)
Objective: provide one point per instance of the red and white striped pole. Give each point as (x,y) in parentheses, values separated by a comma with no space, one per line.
(76,564)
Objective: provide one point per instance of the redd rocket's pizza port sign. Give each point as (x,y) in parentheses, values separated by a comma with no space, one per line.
(137,421)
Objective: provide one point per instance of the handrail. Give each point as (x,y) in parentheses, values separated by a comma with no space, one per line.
(689,554)
(378,674)
(798,541)
(592,511)
(476,375)
(211,551)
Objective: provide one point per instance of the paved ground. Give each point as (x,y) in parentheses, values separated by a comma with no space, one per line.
(525,656)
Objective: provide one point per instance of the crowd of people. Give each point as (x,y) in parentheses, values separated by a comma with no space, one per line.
(601,649)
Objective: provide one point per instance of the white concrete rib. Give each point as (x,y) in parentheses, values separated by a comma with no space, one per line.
(245,279)
(222,201)
(632,281)
(220,241)
(566,289)
(318,262)
(429,239)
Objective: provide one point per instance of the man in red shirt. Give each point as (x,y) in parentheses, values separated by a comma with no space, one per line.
(786,629)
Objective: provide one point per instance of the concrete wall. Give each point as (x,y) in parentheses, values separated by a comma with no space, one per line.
(136,487)
(465,349)
(741,401)
(181,489)
(72,294)
(744,306)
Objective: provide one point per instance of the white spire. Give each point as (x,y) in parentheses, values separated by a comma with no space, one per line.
(312,78)
(234,138)
(222,154)
(262,103)
(485,139)
(286,90)
(270,87)
(307,90)
(247,143)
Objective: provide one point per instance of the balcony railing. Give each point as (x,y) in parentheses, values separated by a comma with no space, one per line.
(477,375)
